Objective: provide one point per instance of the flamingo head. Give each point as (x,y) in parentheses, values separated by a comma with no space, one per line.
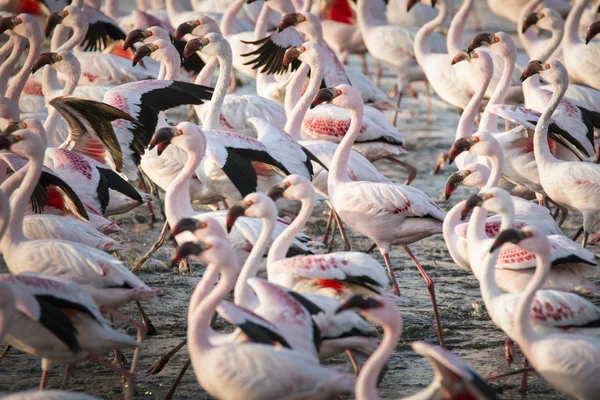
(497,200)
(143,51)
(454,181)
(189,249)
(592,31)
(528,238)
(460,145)
(532,68)
(342,96)
(292,54)
(254,205)
(325,96)
(483,39)
(136,36)
(531,20)
(7,23)
(186,28)
(293,187)
(23,142)
(194,45)
(210,251)
(411,3)
(53,20)
(162,138)
(474,200)
(510,236)
(201,226)
(45,59)
(291,19)
(377,309)
(463,55)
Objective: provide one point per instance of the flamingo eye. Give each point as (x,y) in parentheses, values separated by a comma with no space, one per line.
(19,20)
(18,138)
(542,15)
(490,195)
(198,22)
(339,92)
(179,132)
(528,234)
(209,246)
(302,48)
(24,125)
(303,18)
(66,13)
(203,225)
(150,33)
(476,139)
(467,172)
(250,202)
(547,66)
(60,58)
(496,39)
(288,184)
(476,55)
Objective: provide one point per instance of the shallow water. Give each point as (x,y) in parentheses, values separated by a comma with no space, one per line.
(467,328)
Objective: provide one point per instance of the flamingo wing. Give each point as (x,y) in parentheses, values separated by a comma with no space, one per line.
(271,49)
(101,31)
(565,309)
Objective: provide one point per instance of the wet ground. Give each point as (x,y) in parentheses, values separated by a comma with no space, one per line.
(467,328)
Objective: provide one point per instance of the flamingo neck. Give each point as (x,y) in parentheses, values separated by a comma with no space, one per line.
(450,223)
(176,207)
(19,201)
(294,122)
(496,170)
(293,92)
(216,102)
(507,217)
(366,384)
(489,121)
(6,48)
(529,39)
(205,75)
(553,43)
(211,274)
(364,16)
(4,214)
(243,293)
(523,328)
(421,46)
(14,181)
(572,23)
(16,43)
(455,41)
(262,23)
(35,44)
(467,119)
(490,292)
(50,83)
(172,64)
(79,31)
(476,230)
(112,9)
(338,170)
(227,25)
(281,245)
(541,149)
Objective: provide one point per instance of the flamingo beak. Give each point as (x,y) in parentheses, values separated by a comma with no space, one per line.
(461,56)
(324,96)
(534,67)
(187,249)
(276,192)
(194,45)
(454,181)
(185,225)
(143,51)
(290,55)
(234,212)
(593,30)
(53,20)
(509,236)
(13,126)
(474,200)
(529,21)
(462,144)
(184,29)
(360,302)
(42,60)
(482,39)
(291,19)
(162,138)
(7,23)
(410,4)
(135,36)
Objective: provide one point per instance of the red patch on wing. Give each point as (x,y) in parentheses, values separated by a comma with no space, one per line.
(118,51)
(328,127)
(262,169)
(338,286)
(341,12)
(55,199)
(529,145)
(582,182)
(29,7)
(89,77)
(33,88)
(514,255)
(93,148)
(224,123)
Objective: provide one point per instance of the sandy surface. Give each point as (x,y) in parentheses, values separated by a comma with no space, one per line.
(468,330)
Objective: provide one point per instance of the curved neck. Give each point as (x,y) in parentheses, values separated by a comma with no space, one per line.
(6,48)
(455,41)
(17,44)
(216,102)
(76,38)
(177,197)
(489,121)
(281,245)
(529,39)
(338,169)
(476,229)
(422,38)
(294,122)
(523,328)
(487,279)
(243,293)
(35,44)
(496,170)
(364,16)
(366,384)
(552,44)
(572,23)
(172,64)
(205,75)
(541,149)
(262,23)
(211,274)
(50,83)
(467,119)
(292,93)
(450,223)
(227,25)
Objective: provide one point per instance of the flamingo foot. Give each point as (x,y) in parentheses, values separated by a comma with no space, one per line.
(184,266)
(148,327)
(173,388)
(5,352)
(440,162)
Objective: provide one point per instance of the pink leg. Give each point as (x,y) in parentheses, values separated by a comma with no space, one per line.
(585,239)
(370,249)
(505,374)
(523,386)
(129,376)
(68,371)
(225,205)
(171,391)
(354,361)
(44,379)
(159,242)
(440,162)
(125,319)
(160,364)
(340,225)
(184,266)
(328,227)
(431,290)
(579,232)
(5,352)
(148,327)
(428,94)
(509,350)
(388,264)
(412,171)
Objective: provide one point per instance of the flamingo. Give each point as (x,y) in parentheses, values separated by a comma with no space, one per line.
(388,213)
(49,395)
(565,360)
(512,9)
(453,378)
(572,184)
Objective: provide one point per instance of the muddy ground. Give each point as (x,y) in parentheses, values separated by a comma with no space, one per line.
(467,328)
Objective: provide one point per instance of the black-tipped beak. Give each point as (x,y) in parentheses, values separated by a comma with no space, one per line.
(508,236)
(324,96)
(234,212)
(592,30)
(135,36)
(42,60)
(474,200)
(454,181)
(162,138)
(13,126)
(462,144)
(186,225)
(461,56)
(188,249)
(410,4)
(276,192)
(184,29)
(5,142)
(53,20)
(291,55)
(141,52)
(250,1)
(7,23)
(194,45)
(534,67)
(529,21)
(482,39)
(360,302)
(291,19)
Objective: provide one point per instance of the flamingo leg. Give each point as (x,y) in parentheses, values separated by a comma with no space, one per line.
(354,361)
(327,227)
(440,162)
(67,375)
(365,65)
(388,264)
(505,374)
(597,159)
(44,379)
(5,352)
(121,372)
(370,249)
(225,205)
(160,364)
(340,225)
(142,185)
(159,242)
(149,328)
(523,385)
(377,72)
(579,232)
(184,266)
(509,350)
(171,391)
(564,211)
(120,362)
(585,239)
(412,171)
(428,99)
(431,290)
(333,233)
